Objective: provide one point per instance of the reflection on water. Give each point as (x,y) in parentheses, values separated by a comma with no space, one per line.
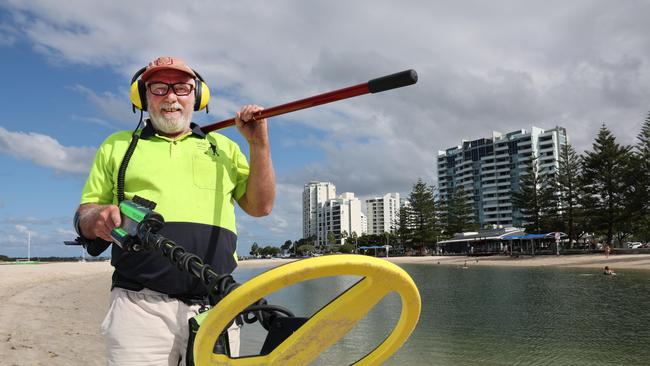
(493,316)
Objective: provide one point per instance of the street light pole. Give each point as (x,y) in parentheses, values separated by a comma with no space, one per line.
(386,247)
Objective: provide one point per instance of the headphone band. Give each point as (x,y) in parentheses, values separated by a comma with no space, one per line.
(142,70)
(198,76)
(137,74)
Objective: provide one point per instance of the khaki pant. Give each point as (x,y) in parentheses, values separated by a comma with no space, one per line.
(149,328)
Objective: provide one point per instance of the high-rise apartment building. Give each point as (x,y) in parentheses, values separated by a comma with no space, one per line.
(489,170)
(314,195)
(342,214)
(382,213)
(364,225)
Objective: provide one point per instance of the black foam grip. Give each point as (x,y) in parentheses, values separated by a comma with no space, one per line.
(393,81)
(97,247)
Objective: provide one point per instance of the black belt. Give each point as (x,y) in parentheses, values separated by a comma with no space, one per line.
(187,299)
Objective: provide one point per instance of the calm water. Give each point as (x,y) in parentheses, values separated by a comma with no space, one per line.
(493,316)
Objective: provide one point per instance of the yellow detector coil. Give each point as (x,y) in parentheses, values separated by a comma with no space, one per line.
(327,325)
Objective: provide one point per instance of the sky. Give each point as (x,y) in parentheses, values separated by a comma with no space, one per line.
(483,66)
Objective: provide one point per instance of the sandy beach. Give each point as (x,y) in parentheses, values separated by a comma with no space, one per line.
(596,261)
(50,313)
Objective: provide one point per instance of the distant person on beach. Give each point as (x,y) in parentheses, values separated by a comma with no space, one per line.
(195,178)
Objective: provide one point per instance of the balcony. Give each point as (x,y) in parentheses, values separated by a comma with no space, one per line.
(504,189)
(487,205)
(489,188)
(503,169)
(501,154)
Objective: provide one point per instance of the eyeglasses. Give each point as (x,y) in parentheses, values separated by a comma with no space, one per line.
(161,89)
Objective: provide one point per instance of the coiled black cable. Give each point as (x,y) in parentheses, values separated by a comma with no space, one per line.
(121,174)
(218,285)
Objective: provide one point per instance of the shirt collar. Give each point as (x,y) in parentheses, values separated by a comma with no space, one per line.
(148,131)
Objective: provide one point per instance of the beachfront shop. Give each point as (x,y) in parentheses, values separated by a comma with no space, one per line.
(509,240)
(535,244)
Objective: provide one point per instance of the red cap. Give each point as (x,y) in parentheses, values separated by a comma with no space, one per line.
(167,62)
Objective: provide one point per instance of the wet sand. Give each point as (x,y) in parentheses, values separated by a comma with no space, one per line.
(50,313)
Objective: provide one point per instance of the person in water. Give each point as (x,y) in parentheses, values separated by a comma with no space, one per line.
(608,271)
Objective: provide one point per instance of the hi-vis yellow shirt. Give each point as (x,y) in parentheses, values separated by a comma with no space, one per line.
(194,181)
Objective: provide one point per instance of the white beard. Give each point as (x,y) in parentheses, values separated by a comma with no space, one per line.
(169,126)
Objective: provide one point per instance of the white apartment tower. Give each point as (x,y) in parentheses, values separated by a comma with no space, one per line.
(364,225)
(489,170)
(383,213)
(314,195)
(342,214)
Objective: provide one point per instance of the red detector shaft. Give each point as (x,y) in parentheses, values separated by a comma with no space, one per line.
(393,81)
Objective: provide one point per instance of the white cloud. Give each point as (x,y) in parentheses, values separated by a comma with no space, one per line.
(45,151)
(65,233)
(21,229)
(8,35)
(93,120)
(47,241)
(23,221)
(488,69)
(284,222)
(109,104)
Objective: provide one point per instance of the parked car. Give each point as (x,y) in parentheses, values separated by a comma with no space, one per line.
(634,245)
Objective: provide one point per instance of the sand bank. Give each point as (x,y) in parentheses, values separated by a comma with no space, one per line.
(618,261)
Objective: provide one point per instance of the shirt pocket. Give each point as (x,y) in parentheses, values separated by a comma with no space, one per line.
(212,172)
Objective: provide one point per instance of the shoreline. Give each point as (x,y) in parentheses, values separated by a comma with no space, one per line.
(616,261)
(621,261)
(639,262)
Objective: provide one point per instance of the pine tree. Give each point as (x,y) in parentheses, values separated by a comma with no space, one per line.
(287,245)
(422,215)
(527,198)
(640,196)
(255,249)
(404,230)
(549,203)
(459,213)
(605,172)
(568,184)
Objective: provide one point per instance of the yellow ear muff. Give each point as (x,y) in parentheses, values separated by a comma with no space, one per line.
(136,98)
(138,91)
(202,96)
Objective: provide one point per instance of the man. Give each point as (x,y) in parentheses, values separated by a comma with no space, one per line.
(194,179)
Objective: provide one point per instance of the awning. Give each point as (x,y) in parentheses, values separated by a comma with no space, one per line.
(534,236)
